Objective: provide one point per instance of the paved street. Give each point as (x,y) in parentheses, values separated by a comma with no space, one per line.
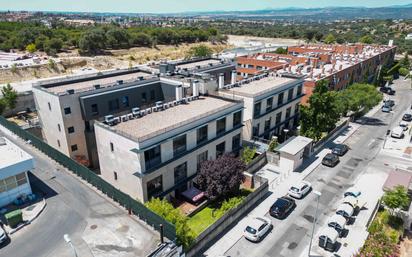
(97,226)
(291,237)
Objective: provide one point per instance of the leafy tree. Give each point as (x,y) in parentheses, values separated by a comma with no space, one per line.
(200,51)
(403,71)
(310,34)
(31,48)
(53,46)
(248,154)
(141,39)
(366,39)
(40,42)
(9,96)
(404,62)
(322,113)
(396,198)
(166,210)
(330,39)
(281,50)
(221,177)
(273,144)
(318,36)
(92,42)
(3,105)
(117,38)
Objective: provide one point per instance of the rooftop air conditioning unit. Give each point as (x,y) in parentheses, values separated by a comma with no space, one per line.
(210,64)
(197,66)
(119,82)
(136,111)
(97,86)
(141,78)
(109,119)
(70,91)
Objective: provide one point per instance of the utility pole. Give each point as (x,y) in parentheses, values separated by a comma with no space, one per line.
(69,242)
(315,220)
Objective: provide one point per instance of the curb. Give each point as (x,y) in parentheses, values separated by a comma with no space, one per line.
(27,222)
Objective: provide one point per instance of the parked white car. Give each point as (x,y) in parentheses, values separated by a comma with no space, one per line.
(257,227)
(300,190)
(3,235)
(404,124)
(397,132)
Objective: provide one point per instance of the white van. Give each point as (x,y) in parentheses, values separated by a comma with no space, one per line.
(397,132)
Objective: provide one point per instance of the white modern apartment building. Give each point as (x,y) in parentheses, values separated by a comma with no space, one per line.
(158,154)
(14,165)
(69,107)
(271,103)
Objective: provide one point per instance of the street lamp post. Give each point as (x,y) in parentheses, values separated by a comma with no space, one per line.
(69,242)
(315,220)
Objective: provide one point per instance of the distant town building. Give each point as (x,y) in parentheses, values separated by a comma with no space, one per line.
(408,37)
(14,165)
(341,65)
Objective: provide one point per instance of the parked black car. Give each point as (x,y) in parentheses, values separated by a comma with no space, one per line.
(407,117)
(387,90)
(282,207)
(330,160)
(389,103)
(340,150)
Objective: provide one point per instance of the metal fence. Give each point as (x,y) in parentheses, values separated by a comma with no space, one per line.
(123,199)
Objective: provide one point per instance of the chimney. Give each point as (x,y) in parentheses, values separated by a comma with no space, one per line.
(196,88)
(340,67)
(233,78)
(179,93)
(221,80)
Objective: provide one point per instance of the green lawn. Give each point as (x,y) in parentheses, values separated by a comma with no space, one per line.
(206,217)
(201,220)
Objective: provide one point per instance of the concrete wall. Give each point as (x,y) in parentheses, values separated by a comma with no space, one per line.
(24,101)
(216,230)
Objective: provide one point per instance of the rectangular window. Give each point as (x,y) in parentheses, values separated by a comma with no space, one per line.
(180,172)
(201,158)
(74,148)
(221,126)
(124,101)
(95,110)
(152,157)
(179,145)
(67,110)
(278,118)
(115,175)
(152,95)
(11,183)
(114,105)
(144,97)
(267,124)
(269,104)
(59,128)
(236,143)
(154,187)
(297,108)
(220,149)
(290,94)
(280,98)
(201,134)
(58,143)
(48,104)
(255,130)
(256,110)
(21,179)
(299,90)
(288,111)
(111,147)
(237,118)
(70,130)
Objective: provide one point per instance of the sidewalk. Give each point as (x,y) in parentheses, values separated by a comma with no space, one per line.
(279,184)
(357,231)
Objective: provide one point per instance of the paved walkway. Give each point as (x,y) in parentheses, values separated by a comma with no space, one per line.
(279,184)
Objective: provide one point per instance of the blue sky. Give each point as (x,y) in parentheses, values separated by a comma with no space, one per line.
(162,6)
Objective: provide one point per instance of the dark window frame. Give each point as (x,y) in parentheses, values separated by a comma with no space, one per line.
(221,130)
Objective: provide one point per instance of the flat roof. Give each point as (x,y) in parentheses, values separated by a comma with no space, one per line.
(398,178)
(156,123)
(295,145)
(262,86)
(192,65)
(11,154)
(89,83)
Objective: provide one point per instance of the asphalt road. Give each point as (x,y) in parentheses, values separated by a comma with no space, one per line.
(71,205)
(291,236)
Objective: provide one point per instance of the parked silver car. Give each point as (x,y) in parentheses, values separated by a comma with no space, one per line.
(300,190)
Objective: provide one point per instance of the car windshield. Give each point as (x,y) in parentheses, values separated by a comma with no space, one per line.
(329,157)
(280,204)
(251,230)
(294,189)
